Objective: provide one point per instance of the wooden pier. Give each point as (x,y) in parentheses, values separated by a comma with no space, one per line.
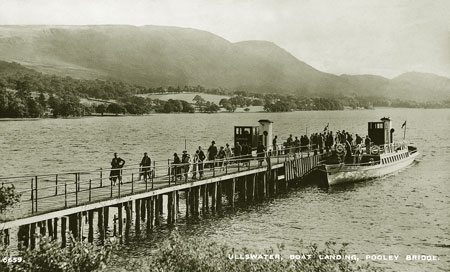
(84,202)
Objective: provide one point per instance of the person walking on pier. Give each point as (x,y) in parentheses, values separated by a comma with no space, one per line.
(145,165)
(116,173)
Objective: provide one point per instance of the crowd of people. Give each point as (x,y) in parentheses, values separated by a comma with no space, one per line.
(222,156)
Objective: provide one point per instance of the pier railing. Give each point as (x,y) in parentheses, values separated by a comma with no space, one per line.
(56,191)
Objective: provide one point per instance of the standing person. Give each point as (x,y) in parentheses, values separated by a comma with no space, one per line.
(358,140)
(237,152)
(201,158)
(367,142)
(228,153)
(260,153)
(244,153)
(116,172)
(221,156)
(195,164)
(176,166)
(296,145)
(185,160)
(274,145)
(290,143)
(145,164)
(212,154)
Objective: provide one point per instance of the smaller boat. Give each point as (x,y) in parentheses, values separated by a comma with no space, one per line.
(382,157)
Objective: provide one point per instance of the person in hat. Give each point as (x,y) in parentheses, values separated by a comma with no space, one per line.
(116,172)
(145,165)
(201,158)
(185,160)
(176,166)
(212,153)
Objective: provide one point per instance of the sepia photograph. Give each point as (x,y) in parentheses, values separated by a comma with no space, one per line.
(224,136)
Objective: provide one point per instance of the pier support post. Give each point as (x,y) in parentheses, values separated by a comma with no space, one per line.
(50,228)
(143,214)
(91,226)
(187,197)
(219,197)
(203,192)
(128,221)
(149,222)
(32,235)
(157,211)
(175,206)
(55,228)
(137,219)
(73,225)
(106,219)
(42,228)
(169,208)
(6,237)
(63,231)
(213,198)
(232,192)
(207,189)
(101,224)
(120,215)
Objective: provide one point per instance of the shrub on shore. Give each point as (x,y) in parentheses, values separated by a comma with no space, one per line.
(49,256)
(178,254)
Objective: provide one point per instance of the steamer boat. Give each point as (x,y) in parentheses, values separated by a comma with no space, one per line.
(382,158)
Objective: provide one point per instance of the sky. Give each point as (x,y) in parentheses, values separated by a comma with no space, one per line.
(382,37)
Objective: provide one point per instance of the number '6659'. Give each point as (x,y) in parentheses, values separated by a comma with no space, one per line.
(12,259)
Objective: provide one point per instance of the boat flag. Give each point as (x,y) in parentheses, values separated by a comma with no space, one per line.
(404,124)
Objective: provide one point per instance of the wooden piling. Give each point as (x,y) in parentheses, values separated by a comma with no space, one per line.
(106,218)
(120,219)
(55,228)
(219,197)
(43,229)
(6,237)
(187,197)
(203,191)
(50,228)
(32,235)
(232,192)
(73,225)
(157,211)
(101,224)
(137,222)
(149,210)
(143,213)
(90,226)
(128,221)
(169,209)
(63,231)
(207,198)
(213,197)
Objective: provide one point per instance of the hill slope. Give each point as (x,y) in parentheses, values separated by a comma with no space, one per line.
(160,56)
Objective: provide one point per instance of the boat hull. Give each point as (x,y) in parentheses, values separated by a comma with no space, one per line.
(339,174)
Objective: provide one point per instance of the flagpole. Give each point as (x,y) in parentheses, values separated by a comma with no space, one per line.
(404,132)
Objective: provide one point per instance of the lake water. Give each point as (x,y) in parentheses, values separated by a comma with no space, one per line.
(406,213)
